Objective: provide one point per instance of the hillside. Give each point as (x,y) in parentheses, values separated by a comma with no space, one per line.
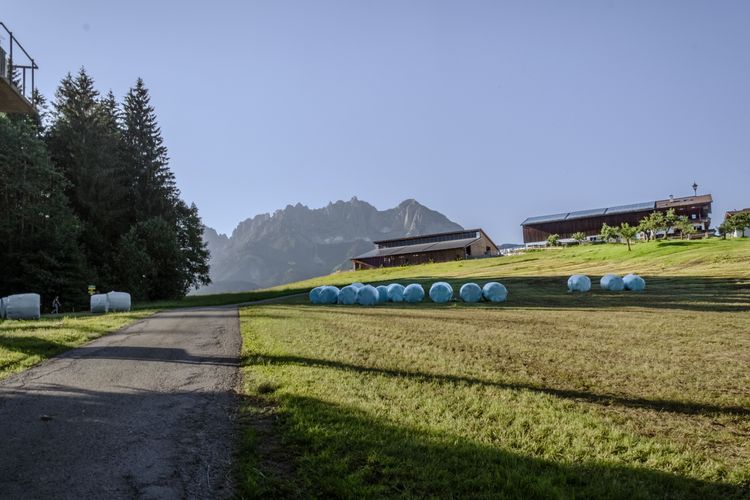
(699,258)
(547,395)
(298,242)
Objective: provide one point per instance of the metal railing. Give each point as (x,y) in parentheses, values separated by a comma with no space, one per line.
(19,75)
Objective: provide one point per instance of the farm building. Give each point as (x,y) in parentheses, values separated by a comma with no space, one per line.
(589,222)
(440,247)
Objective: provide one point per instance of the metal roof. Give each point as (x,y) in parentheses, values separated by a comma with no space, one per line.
(420,248)
(594,212)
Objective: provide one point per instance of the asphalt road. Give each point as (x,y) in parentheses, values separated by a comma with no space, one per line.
(142,413)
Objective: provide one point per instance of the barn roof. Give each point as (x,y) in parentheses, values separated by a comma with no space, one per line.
(418,248)
(621,209)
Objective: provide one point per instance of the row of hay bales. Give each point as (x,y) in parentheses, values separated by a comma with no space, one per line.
(440,292)
(21,306)
(102,303)
(609,282)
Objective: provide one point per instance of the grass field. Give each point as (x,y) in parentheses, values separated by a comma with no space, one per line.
(547,395)
(26,343)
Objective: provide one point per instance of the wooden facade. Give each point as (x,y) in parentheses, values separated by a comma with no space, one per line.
(589,222)
(440,247)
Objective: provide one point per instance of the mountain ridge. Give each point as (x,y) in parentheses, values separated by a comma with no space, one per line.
(298,242)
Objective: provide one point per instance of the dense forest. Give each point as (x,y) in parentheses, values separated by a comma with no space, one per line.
(87,197)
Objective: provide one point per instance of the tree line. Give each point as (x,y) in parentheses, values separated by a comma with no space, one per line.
(87,197)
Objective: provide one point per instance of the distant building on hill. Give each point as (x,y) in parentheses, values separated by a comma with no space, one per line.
(737,232)
(589,222)
(440,247)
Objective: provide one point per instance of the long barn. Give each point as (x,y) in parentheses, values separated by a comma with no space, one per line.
(589,222)
(440,247)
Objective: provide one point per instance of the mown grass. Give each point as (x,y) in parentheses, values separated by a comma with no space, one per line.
(550,394)
(26,343)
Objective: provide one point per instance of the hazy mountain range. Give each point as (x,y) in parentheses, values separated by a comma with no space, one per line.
(298,242)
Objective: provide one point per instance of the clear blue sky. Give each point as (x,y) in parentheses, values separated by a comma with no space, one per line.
(487,111)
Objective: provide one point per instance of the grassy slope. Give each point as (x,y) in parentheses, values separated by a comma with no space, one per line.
(549,394)
(26,343)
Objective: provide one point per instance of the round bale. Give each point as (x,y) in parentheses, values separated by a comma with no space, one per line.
(495,292)
(579,283)
(612,282)
(396,292)
(634,283)
(441,292)
(348,295)
(99,303)
(328,295)
(382,294)
(119,301)
(414,293)
(367,295)
(470,292)
(314,295)
(23,306)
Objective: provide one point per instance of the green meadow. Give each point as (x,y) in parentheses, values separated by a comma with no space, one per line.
(550,394)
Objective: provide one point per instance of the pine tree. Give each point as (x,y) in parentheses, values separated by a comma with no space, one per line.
(38,230)
(86,145)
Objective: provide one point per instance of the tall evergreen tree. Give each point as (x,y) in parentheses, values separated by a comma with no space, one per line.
(86,145)
(38,230)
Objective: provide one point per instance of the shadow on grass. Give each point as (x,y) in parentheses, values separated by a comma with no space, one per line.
(576,395)
(338,452)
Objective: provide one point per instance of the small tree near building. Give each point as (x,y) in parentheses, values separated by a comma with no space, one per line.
(579,237)
(553,240)
(608,233)
(627,232)
(685,227)
(738,222)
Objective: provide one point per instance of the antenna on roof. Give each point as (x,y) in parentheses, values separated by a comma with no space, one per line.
(695,188)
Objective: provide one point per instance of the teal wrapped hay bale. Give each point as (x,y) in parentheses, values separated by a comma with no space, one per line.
(470,292)
(414,293)
(495,292)
(99,303)
(612,283)
(119,301)
(328,295)
(314,295)
(23,306)
(357,285)
(634,283)
(395,292)
(367,295)
(441,292)
(382,294)
(579,283)
(348,295)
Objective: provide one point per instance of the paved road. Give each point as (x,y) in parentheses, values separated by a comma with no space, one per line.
(142,413)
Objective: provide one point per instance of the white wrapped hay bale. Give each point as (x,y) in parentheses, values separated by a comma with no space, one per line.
(579,283)
(612,283)
(367,295)
(634,283)
(382,294)
(348,295)
(119,301)
(328,295)
(441,292)
(314,295)
(470,292)
(99,303)
(395,292)
(23,306)
(413,293)
(495,292)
